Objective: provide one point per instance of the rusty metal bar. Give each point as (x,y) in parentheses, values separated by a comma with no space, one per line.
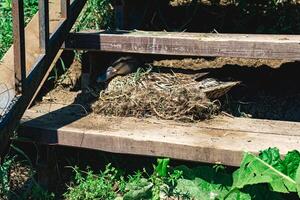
(19,45)
(44,25)
(65,4)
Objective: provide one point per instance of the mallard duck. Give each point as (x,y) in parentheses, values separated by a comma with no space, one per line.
(122,66)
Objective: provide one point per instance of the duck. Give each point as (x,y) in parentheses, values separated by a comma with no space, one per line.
(120,67)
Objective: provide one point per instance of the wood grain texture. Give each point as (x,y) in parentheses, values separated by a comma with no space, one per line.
(220,140)
(190,44)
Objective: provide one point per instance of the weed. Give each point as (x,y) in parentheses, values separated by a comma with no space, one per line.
(109,184)
(96,15)
(54,76)
(88,185)
(4,177)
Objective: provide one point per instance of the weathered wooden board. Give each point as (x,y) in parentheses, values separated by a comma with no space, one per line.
(190,44)
(220,140)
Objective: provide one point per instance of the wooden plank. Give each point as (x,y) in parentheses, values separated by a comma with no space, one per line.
(213,141)
(190,44)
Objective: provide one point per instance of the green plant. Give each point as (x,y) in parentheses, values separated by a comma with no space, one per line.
(4,177)
(38,193)
(88,185)
(281,175)
(17,157)
(54,76)
(252,180)
(96,15)
(159,185)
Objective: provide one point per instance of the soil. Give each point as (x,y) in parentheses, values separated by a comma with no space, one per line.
(204,63)
(215,2)
(20,178)
(20,181)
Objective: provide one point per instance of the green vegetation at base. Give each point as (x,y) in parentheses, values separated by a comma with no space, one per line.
(96,15)
(17,179)
(6,36)
(266,176)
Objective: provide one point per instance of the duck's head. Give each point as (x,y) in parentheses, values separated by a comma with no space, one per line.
(122,66)
(109,74)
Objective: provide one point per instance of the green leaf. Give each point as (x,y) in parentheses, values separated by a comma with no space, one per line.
(162,167)
(254,170)
(204,182)
(297,179)
(291,163)
(272,157)
(138,190)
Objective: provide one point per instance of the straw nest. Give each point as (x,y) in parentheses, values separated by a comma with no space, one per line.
(167,96)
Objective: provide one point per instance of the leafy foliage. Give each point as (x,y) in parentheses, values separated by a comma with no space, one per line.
(268,168)
(254,171)
(90,186)
(8,172)
(162,167)
(259,177)
(207,183)
(4,177)
(96,15)
(274,16)
(38,193)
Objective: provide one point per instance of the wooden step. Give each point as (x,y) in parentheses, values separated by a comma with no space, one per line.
(220,140)
(189,44)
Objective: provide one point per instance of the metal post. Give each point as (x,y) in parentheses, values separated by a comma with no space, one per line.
(19,45)
(44,25)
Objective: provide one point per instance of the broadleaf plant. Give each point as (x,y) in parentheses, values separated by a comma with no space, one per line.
(282,175)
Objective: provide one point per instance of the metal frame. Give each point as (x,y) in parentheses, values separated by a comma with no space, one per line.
(26,85)
(19,45)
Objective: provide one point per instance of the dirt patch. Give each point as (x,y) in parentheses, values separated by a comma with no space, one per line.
(176,3)
(204,63)
(71,78)
(20,178)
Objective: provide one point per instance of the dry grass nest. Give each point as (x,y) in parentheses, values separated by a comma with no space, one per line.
(167,96)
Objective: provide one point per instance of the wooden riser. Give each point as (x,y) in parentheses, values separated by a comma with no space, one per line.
(220,140)
(190,44)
